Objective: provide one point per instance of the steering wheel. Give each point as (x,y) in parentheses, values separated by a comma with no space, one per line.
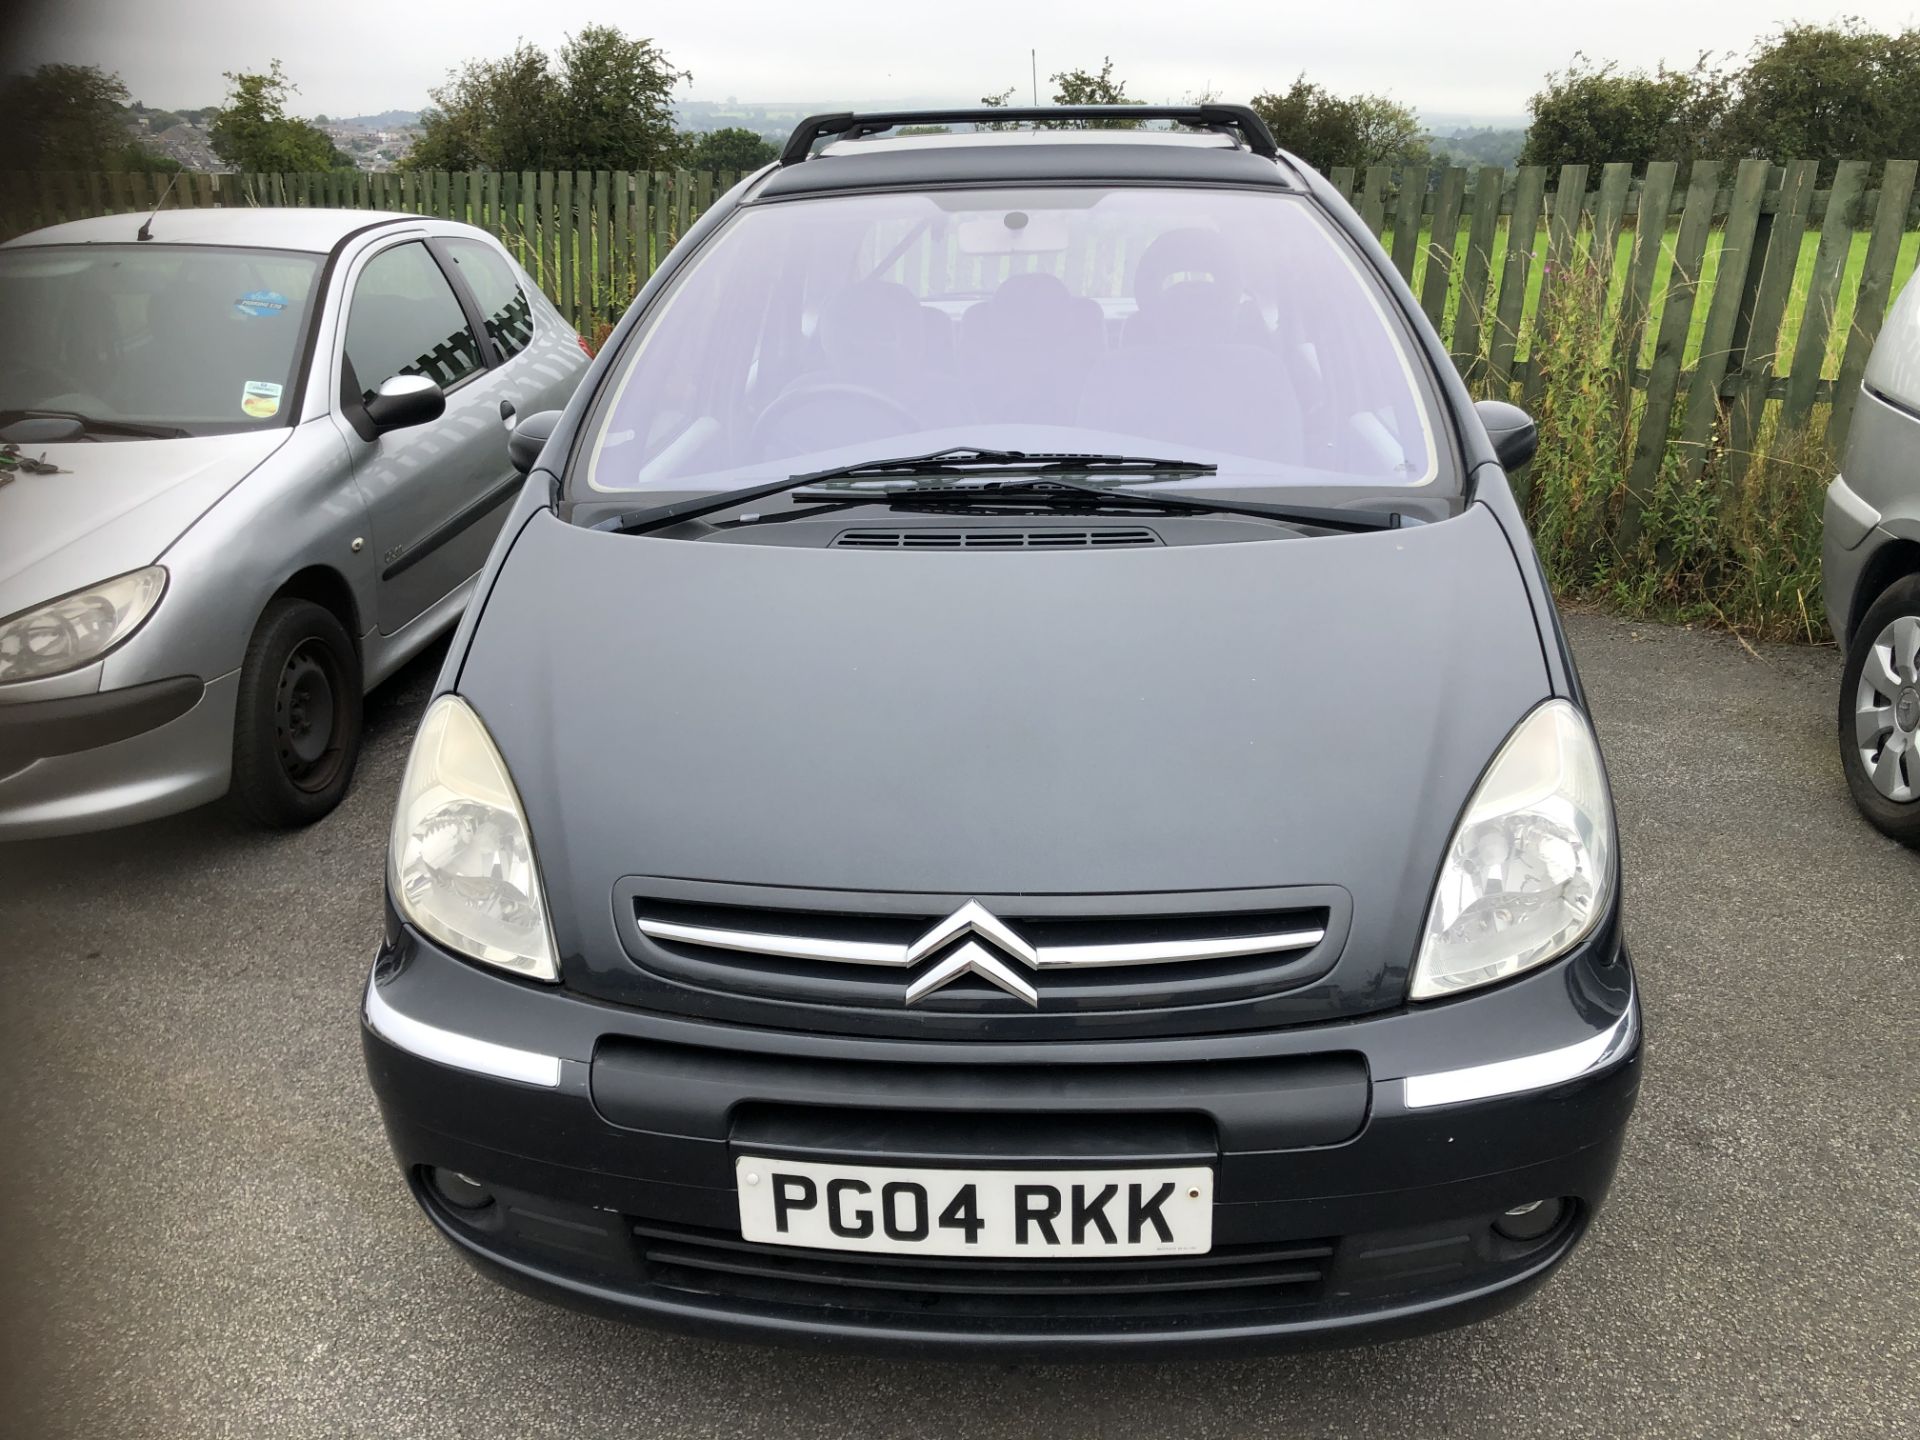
(813,392)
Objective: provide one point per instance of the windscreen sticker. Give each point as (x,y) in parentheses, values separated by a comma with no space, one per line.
(260,398)
(261,302)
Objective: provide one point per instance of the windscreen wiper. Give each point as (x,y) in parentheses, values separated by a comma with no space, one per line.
(96,425)
(960,460)
(972,460)
(1057,491)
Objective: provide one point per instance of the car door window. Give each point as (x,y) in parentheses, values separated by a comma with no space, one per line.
(494,285)
(405,320)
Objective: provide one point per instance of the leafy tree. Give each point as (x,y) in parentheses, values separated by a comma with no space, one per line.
(733,148)
(1592,114)
(63,117)
(1325,129)
(1085,87)
(254,132)
(1388,133)
(616,101)
(604,102)
(1828,91)
(492,114)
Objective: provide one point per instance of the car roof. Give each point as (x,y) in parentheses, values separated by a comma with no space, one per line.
(263,227)
(1025,157)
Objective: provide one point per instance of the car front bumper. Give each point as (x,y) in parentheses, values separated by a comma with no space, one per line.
(113,757)
(606,1138)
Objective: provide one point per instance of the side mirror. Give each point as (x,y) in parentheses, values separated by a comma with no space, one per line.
(1515,437)
(529,438)
(406,400)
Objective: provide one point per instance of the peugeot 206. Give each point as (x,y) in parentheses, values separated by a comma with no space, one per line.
(1013,781)
(251,463)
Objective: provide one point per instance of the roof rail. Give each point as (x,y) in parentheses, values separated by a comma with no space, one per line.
(1239,118)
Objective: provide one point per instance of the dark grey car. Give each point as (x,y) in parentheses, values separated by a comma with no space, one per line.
(259,457)
(1015,786)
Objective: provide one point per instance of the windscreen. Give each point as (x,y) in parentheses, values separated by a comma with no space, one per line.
(196,337)
(1226,326)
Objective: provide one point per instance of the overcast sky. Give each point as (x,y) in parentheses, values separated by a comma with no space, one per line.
(1474,57)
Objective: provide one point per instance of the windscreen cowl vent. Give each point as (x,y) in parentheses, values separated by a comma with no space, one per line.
(1044,538)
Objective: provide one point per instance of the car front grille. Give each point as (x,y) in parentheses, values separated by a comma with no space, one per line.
(1056,961)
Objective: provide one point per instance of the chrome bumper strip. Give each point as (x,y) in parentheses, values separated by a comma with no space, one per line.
(1528,1072)
(463,1052)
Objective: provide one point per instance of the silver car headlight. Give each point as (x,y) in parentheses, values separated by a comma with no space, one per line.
(1529,872)
(78,629)
(461,858)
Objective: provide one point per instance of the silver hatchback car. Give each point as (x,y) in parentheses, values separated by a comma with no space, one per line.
(1870,567)
(250,462)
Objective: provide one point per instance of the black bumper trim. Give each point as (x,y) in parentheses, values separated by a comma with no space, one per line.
(1307,1327)
(39,729)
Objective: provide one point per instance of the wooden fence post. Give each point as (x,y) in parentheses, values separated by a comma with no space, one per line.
(1467,323)
(1529,192)
(1406,220)
(1663,378)
(1563,233)
(1759,334)
(1876,286)
(1823,288)
(1738,250)
(1649,242)
(1442,241)
(1373,199)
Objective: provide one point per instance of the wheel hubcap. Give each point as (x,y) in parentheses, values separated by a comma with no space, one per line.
(1886,710)
(307,718)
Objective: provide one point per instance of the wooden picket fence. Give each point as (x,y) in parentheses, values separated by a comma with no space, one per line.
(1707,305)
(1747,297)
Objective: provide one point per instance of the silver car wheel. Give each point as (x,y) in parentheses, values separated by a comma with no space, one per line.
(1886,710)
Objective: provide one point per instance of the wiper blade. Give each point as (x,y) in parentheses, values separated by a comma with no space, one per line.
(1059,492)
(96,425)
(958,460)
(971,459)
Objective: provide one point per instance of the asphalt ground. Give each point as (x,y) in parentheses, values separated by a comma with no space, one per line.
(202,1234)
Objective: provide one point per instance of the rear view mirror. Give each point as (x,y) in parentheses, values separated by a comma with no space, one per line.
(406,400)
(529,438)
(1515,437)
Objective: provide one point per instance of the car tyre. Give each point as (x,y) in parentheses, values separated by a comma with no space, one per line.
(1880,713)
(296,734)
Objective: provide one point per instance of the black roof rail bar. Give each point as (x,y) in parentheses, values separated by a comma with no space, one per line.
(1241,118)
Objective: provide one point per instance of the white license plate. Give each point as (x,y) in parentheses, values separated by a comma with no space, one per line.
(1086,1213)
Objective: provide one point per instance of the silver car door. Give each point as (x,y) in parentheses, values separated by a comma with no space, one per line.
(435,492)
(539,352)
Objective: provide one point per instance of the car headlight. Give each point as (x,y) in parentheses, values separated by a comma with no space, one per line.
(77,629)
(462,861)
(1530,869)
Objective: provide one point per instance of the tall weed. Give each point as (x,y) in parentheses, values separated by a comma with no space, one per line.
(1740,551)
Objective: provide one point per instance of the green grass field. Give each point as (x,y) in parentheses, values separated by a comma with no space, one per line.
(1623,255)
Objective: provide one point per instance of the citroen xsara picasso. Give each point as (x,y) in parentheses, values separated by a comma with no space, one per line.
(1012,781)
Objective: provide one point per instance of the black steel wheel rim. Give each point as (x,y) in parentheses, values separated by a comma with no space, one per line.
(309,716)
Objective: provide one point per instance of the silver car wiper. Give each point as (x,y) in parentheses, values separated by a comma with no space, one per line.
(94,425)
